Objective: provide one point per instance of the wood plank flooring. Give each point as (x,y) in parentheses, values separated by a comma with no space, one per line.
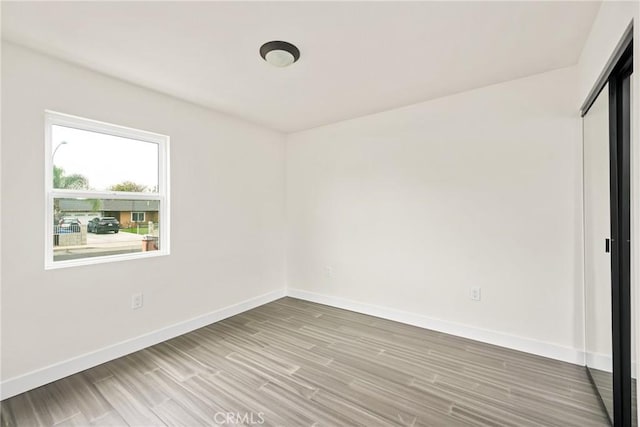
(295,363)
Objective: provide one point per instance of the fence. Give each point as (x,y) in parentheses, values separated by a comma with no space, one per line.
(69,235)
(76,234)
(144,228)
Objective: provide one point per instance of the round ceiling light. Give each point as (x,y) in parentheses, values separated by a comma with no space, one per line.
(279,53)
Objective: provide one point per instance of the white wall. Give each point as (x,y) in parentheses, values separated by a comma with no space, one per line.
(608,28)
(410,208)
(227,185)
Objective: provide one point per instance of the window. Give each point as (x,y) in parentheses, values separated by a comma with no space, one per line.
(137,216)
(107,192)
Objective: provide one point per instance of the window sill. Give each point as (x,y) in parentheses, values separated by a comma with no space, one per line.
(54,265)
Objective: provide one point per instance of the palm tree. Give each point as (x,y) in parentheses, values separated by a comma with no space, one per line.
(69,182)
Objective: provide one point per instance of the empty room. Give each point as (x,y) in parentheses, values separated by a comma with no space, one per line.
(368,213)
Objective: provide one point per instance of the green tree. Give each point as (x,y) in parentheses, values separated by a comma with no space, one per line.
(128,186)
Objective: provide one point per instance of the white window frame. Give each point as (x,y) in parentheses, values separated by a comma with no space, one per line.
(55,118)
(144,216)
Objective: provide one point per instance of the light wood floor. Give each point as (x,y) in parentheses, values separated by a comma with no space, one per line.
(296,363)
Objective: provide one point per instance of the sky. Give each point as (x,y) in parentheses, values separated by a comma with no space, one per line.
(104,159)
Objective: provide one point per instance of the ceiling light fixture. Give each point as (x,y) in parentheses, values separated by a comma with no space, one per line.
(279,53)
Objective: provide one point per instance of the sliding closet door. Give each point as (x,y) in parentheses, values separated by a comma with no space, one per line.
(597,229)
(607,237)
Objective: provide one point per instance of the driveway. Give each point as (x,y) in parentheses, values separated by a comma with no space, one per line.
(110,239)
(100,245)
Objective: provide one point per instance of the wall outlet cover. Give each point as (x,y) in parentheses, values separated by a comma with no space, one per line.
(136,301)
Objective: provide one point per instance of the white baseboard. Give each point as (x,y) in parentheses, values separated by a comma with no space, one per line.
(501,339)
(42,376)
(602,362)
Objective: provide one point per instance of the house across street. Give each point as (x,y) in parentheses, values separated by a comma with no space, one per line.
(127,212)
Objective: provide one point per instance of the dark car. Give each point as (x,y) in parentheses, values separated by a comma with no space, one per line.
(69,225)
(103,225)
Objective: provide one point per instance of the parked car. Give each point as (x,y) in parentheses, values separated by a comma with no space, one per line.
(103,224)
(69,225)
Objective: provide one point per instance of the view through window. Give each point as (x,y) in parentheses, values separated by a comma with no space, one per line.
(106,192)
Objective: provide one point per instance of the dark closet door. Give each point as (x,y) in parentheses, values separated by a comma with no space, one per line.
(620,167)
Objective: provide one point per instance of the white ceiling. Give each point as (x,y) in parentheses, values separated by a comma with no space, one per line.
(356,58)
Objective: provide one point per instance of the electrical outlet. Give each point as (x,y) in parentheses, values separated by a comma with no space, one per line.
(475,294)
(136,301)
(328,270)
